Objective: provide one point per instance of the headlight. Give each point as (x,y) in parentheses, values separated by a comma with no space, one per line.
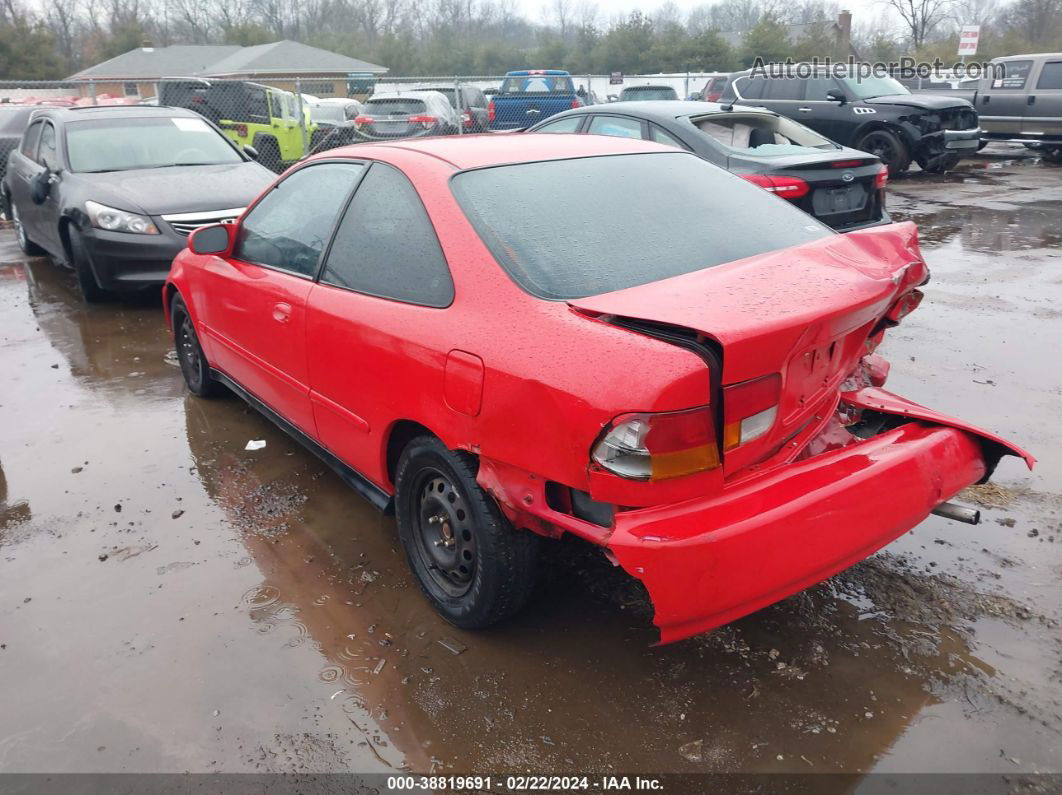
(103,217)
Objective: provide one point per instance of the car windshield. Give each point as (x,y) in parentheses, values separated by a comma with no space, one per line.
(154,142)
(761,135)
(567,229)
(867,87)
(537,84)
(397,105)
(652,92)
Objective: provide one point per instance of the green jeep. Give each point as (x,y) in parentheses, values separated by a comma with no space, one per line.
(250,114)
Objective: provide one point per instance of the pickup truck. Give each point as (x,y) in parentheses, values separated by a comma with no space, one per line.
(530,95)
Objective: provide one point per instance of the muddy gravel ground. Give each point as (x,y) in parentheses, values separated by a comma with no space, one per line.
(170,601)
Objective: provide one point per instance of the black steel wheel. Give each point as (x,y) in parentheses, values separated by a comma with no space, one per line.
(29,248)
(888,147)
(194,365)
(474,567)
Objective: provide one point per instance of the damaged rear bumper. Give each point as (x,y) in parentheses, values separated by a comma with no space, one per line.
(708,562)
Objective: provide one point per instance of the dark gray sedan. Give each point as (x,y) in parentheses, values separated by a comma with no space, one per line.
(844,188)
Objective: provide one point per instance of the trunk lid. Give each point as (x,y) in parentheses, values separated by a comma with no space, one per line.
(803,312)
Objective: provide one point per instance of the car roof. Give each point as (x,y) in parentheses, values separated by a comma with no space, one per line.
(414,94)
(663,110)
(655,86)
(526,72)
(80,113)
(495,149)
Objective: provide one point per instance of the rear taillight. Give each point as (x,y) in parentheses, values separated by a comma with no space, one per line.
(907,304)
(659,446)
(425,120)
(881,179)
(360,120)
(713,97)
(466,118)
(848,163)
(786,187)
(750,409)
(577,103)
(490,110)
(241,130)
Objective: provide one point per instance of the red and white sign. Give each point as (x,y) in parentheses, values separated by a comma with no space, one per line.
(968,37)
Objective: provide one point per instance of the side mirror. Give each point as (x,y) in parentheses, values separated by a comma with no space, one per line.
(41,186)
(836,95)
(213,239)
(251,152)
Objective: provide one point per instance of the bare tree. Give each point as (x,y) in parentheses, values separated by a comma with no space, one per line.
(920,17)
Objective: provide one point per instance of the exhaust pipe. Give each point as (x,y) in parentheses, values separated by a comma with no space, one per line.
(960,513)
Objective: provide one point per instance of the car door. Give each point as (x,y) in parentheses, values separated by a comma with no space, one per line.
(252,306)
(827,117)
(1043,107)
(377,329)
(46,216)
(22,168)
(1002,102)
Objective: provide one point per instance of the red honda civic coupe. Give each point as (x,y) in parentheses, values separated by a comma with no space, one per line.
(508,338)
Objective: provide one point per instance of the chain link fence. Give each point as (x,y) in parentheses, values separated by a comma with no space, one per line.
(284,120)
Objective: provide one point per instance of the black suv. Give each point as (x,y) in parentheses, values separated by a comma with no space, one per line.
(873,114)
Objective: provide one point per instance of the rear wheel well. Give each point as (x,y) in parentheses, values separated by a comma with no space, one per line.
(168,291)
(402,433)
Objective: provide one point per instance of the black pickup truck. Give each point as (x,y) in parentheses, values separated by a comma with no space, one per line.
(873,114)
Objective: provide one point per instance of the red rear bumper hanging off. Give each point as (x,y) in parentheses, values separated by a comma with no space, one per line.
(708,562)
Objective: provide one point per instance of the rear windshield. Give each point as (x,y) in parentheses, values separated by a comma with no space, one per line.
(449,93)
(126,144)
(334,113)
(762,135)
(537,84)
(649,92)
(571,228)
(399,105)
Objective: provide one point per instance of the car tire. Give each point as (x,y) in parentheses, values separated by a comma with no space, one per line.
(269,153)
(193,362)
(82,265)
(889,147)
(474,567)
(29,248)
(942,165)
(1053,154)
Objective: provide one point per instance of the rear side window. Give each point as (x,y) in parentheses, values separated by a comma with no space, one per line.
(784,88)
(1011,75)
(1050,75)
(615,126)
(289,227)
(30,139)
(751,87)
(386,245)
(684,215)
(661,137)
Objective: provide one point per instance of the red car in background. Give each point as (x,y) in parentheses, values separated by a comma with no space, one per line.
(509,338)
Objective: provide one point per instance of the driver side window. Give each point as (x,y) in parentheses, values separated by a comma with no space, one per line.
(289,228)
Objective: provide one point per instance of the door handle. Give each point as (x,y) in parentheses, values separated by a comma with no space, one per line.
(1031,100)
(282,312)
(804,110)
